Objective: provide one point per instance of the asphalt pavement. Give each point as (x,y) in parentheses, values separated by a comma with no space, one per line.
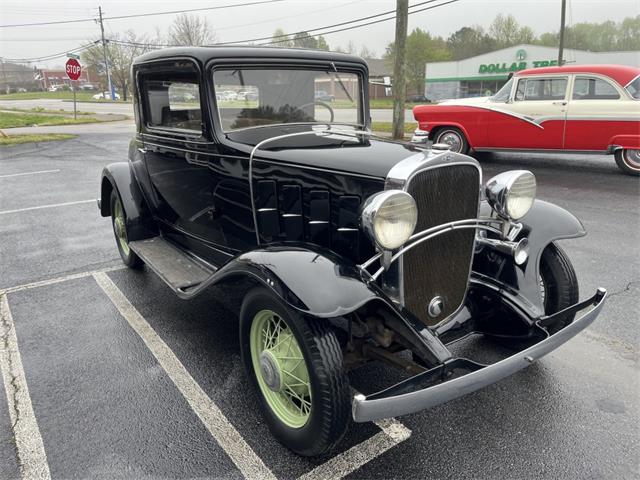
(108,375)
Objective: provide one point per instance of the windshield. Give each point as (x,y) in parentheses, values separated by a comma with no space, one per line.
(634,88)
(503,94)
(256,97)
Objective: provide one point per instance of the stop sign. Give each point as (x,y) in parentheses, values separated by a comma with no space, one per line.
(73,69)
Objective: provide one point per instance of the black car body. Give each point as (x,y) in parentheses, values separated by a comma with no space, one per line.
(307,214)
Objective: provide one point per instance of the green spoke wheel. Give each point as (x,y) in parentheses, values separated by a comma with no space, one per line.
(295,363)
(119,221)
(280,369)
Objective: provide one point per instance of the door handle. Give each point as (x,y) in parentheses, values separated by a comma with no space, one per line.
(564,102)
(142,150)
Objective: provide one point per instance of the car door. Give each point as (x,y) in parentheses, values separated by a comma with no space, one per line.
(535,116)
(598,110)
(177,155)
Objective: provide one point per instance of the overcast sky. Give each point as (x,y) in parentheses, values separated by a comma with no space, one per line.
(291,15)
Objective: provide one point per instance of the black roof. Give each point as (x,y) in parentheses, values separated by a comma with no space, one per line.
(205,54)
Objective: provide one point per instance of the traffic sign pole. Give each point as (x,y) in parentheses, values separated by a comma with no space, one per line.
(74,70)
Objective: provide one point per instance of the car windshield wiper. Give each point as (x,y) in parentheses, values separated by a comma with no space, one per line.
(344,89)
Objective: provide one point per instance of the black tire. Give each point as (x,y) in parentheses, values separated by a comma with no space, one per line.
(442,133)
(129,258)
(628,161)
(331,399)
(558,283)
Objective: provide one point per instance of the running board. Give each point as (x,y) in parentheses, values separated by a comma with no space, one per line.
(176,268)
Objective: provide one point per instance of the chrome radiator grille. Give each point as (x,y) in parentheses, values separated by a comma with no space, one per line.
(439,267)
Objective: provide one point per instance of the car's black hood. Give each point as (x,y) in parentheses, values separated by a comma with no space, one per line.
(357,153)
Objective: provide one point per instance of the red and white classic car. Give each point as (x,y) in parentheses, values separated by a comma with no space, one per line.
(578,108)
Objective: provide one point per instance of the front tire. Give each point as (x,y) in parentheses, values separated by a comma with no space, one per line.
(558,284)
(295,365)
(119,223)
(454,138)
(628,160)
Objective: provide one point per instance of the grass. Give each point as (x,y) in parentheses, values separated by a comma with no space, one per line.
(44,110)
(387,127)
(61,95)
(13,120)
(34,138)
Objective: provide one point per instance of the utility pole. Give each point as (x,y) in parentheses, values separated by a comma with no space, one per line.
(104,50)
(402,16)
(561,46)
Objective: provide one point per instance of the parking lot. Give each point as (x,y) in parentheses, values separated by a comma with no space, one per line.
(109,375)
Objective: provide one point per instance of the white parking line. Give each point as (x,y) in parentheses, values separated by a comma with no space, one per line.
(28,173)
(54,205)
(211,416)
(393,432)
(64,278)
(32,458)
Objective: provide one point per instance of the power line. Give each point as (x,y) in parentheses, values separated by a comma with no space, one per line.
(365,24)
(52,56)
(171,12)
(288,37)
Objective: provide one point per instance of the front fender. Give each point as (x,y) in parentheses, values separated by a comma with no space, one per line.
(318,283)
(119,176)
(623,141)
(543,224)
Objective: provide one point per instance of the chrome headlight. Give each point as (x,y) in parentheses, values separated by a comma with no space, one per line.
(389,218)
(511,194)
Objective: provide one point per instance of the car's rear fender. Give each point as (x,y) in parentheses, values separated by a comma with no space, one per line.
(119,176)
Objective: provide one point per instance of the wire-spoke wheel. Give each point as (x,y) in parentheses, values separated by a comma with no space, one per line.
(119,222)
(628,160)
(296,365)
(280,368)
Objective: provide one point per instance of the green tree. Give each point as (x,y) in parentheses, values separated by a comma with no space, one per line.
(469,42)
(421,48)
(280,39)
(322,43)
(629,34)
(506,32)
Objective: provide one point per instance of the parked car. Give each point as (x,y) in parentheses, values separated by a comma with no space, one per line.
(343,248)
(417,99)
(105,96)
(324,96)
(577,108)
(87,86)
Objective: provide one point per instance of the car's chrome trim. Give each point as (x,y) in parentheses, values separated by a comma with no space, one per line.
(400,176)
(434,232)
(379,405)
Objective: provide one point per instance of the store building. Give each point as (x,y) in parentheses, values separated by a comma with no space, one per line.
(485,74)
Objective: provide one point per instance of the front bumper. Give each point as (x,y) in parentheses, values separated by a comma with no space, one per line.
(411,395)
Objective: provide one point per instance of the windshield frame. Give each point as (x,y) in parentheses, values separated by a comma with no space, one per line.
(626,88)
(327,67)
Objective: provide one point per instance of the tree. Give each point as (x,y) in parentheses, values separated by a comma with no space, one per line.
(504,30)
(121,50)
(420,49)
(322,44)
(191,30)
(469,42)
(629,34)
(366,53)
(281,39)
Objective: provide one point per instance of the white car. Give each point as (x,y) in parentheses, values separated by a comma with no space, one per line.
(105,95)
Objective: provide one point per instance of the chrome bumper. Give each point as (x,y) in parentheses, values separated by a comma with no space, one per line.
(406,397)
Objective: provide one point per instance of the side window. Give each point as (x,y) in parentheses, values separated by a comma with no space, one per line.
(585,88)
(172,100)
(532,89)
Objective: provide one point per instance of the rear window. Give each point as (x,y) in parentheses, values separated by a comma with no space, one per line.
(172,101)
(541,89)
(585,88)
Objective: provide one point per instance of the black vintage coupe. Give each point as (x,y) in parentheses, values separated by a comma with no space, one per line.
(344,247)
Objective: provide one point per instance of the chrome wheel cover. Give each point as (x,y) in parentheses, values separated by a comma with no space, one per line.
(451,138)
(632,158)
